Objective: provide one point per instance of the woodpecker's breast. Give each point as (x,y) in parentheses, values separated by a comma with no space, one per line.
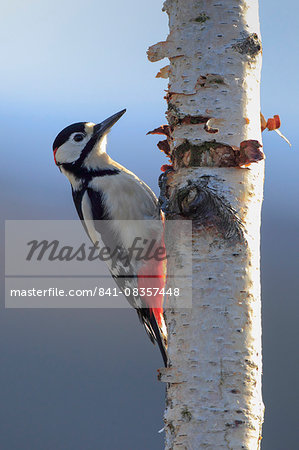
(126,198)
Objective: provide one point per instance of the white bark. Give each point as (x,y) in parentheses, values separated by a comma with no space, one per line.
(214,380)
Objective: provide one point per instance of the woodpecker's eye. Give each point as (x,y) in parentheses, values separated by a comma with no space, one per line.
(78,137)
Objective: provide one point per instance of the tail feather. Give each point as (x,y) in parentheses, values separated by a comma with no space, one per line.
(147,317)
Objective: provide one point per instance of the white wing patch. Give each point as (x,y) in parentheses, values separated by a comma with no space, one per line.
(127,198)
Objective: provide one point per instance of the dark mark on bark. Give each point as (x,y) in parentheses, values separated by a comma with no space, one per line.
(235,424)
(186,414)
(235,391)
(163,198)
(202,18)
(192,120)
(171,106)
(251,364)
(171,427)
(209,80)
(175,118)
(216,154)
(209,129)
(249,45)
(173,112)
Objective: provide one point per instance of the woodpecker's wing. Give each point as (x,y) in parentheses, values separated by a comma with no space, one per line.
(93,209)
(124,273)
(92,212)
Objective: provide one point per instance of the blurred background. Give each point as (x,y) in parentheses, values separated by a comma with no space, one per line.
(86,379)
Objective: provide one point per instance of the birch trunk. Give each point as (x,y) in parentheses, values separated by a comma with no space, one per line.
(216,180)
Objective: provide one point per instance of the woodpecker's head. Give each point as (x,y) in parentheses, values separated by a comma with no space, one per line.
(75,142)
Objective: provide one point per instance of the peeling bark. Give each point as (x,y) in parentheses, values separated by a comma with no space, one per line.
(216,180)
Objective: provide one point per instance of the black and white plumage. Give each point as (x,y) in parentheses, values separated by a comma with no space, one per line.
(115,206)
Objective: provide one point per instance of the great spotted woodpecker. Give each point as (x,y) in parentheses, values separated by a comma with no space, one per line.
(115,207)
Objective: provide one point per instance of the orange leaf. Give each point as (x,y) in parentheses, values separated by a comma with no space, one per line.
(273,123)
(250,152)
(163,129)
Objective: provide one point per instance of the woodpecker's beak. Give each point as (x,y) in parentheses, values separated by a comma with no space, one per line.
(102,128)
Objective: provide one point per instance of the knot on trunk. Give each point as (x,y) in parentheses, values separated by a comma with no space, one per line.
(199,202)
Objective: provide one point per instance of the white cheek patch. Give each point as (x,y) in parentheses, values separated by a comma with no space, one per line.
(68,153)
(71,150)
